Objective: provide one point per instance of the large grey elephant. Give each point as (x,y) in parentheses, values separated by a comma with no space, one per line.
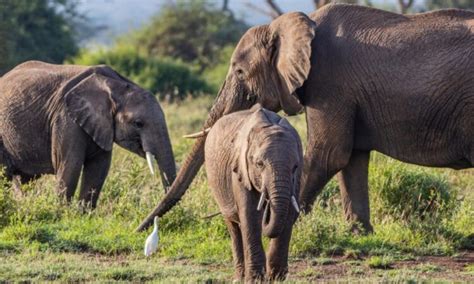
(402,85)
(252,156)
(62,119)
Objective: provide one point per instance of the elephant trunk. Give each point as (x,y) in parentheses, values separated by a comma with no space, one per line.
(157,145)
(276,210)
(165,158)
(223,105)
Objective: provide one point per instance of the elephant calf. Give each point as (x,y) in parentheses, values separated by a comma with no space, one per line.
(62,119)
(254,157)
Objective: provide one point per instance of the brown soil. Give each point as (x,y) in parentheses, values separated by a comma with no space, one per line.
(420,268)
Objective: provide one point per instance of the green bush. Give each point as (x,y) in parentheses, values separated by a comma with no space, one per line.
(7,203)
(169,79)
(215,74)
(410,194)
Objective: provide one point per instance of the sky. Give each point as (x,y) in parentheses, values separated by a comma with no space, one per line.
(120,16)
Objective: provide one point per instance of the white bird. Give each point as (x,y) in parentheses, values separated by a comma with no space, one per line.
(151,243)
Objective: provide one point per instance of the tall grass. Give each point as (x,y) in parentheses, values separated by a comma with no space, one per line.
(414,210)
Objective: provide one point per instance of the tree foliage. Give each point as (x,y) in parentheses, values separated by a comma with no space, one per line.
(193,31)
(169,79)
(440,4)
(37,29)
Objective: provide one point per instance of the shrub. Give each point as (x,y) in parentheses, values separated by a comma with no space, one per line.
(7,203)
(215,75)
(380,262)
(169,79)
(411,194)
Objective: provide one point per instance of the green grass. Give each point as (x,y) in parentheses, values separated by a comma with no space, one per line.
(415,211)
(380,262)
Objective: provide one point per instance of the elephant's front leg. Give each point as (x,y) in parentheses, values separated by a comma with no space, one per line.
(251,228)
(353,183)
(330,142)
(67,174)
(277,255)
(93,177)
(237,249)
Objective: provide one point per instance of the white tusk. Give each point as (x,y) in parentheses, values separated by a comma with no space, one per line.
(166,177)
(149,160)
(295,204)
(260,202)
(198,134)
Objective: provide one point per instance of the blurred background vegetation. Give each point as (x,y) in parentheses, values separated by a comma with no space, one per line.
(182,50)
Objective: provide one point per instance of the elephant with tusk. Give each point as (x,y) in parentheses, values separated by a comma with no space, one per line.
(367,80)
(253,161)
(64,119)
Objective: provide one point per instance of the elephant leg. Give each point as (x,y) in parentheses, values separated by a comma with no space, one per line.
(329,148)
(93,177)
(277,255)
(353,183)
(67,175)
(237,249)
(251,228)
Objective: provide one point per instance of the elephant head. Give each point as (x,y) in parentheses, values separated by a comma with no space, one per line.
(268,65)
(110,108)
(270,160)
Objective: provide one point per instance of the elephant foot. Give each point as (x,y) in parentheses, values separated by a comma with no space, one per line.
(255,276)
(277,273)
(362,229)
(238,276)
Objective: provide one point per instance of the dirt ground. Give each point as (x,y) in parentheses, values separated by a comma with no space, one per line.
(339,268)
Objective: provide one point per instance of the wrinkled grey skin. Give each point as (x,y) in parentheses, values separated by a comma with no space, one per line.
(61,119)
(247,153)
(402,85)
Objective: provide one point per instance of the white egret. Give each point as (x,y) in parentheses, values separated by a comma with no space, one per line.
(151,243)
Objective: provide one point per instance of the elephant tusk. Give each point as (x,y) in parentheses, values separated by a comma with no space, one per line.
(260,202)
(198,134)
(149,159)
(166,178)
(295,204)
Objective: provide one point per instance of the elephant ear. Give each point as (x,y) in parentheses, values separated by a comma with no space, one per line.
(89,103)
(254,121)
(291,37)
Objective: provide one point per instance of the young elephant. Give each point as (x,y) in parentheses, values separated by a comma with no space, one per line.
(254,157)
(62,119)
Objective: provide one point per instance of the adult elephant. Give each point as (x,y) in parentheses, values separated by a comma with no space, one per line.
(367,80)
(62,119)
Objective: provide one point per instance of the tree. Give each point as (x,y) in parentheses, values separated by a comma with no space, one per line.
(36,30)
(404,5)
(193,31)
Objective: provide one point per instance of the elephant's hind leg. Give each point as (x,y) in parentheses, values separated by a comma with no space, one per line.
(353,183)
(237,249)
(93,178)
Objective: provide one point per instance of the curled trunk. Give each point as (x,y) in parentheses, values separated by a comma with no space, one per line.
(276,211)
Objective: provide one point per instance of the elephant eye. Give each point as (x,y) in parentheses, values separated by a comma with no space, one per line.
(259,164)
(138,123)
(240,73)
